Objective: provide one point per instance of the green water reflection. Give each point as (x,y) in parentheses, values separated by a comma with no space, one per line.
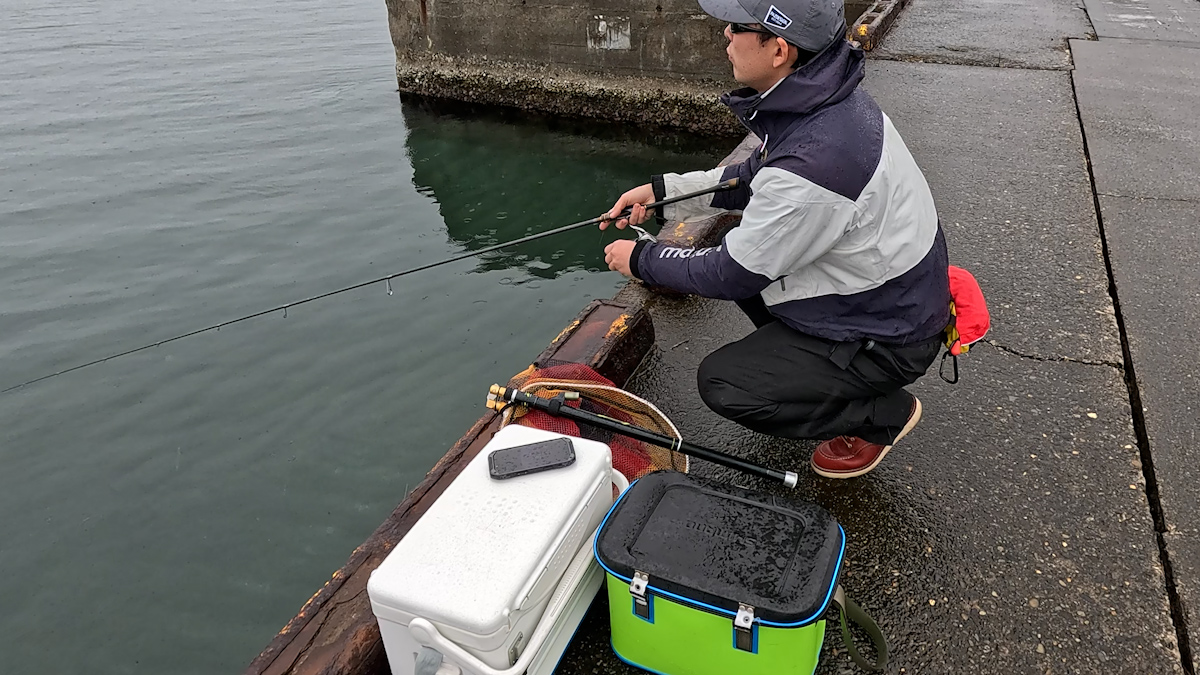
(498,175)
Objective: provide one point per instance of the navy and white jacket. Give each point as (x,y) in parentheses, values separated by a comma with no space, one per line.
(839,233)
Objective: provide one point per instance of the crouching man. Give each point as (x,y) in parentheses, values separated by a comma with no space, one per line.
(839,259)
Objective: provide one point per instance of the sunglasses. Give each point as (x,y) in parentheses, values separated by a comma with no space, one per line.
(743,28)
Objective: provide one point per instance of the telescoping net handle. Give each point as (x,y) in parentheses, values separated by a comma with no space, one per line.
(600,396)
(571,405)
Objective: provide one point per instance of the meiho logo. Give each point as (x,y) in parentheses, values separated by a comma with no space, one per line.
(717,532)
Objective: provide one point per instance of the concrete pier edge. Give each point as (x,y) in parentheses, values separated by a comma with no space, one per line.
(874,23)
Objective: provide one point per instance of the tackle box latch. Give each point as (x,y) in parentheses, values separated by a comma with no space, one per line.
(743,628)
(637,588)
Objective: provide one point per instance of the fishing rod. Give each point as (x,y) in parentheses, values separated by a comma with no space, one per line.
(499,397)
(724,185)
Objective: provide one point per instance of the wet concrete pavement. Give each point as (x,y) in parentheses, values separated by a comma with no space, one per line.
(1019,515)
(1014,530)
(1002,152)
(1139,101)
(1174,21)
(998,33)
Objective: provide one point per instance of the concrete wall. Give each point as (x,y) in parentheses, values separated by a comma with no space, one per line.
(651,38)
(644,62)
(642,37)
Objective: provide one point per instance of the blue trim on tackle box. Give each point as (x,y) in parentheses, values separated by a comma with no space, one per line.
(625,660)
(695,603)
(655,672)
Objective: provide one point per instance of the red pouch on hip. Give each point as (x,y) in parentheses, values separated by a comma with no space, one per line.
(969,318)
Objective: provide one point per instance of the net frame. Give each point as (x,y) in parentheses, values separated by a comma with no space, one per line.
(628,453)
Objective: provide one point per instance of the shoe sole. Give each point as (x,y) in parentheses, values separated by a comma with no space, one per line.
(912,422)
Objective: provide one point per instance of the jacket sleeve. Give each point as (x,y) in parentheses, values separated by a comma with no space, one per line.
(737,198)
(789,223)
(674,184)
(709,272)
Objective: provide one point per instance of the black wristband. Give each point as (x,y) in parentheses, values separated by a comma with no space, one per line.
(633,259)
(660,193)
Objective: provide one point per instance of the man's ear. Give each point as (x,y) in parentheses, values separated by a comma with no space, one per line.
(782,51)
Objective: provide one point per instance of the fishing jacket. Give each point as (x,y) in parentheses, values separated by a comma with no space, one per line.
(839,234)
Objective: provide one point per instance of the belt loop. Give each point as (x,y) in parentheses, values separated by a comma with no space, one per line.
(842,353)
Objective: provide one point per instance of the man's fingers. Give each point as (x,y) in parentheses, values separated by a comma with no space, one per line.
(638,214)
(634,200)
(624,203)
(614,214)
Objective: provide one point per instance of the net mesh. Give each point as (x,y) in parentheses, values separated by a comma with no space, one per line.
(599,395)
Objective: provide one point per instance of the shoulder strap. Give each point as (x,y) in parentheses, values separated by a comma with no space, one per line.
(846,607)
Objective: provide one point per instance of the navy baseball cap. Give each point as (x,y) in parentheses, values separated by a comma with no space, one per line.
(811,25)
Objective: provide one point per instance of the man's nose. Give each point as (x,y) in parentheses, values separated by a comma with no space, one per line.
(728,35)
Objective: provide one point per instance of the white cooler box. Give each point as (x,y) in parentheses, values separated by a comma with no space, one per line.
(477,574)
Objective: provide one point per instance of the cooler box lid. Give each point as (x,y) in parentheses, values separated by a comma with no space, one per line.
(475,556)
(717,546)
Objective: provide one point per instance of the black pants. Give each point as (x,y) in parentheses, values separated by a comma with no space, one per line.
(781,382)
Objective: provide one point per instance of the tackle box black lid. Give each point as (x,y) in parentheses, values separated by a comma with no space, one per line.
(718,546)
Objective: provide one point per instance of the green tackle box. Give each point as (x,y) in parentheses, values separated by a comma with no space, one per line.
(711,579)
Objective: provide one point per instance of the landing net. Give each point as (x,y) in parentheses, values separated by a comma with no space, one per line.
(599,395)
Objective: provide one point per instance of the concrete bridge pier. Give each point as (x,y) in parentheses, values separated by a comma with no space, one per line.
(651,63)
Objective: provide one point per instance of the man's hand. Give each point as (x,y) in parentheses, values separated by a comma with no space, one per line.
(617,255)
(636,198)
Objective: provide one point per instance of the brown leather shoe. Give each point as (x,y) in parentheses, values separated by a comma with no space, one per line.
(848,456)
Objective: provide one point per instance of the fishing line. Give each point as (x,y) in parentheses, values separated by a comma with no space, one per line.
(387,279)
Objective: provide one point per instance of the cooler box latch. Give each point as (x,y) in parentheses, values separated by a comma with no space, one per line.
(743,628)
(514,652)
(637,588)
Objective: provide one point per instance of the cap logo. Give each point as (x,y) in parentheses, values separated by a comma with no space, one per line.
(777,18)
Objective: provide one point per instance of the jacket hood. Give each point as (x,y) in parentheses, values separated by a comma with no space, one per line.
(828,78)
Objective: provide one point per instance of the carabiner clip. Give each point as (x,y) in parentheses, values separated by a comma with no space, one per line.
(942,368)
